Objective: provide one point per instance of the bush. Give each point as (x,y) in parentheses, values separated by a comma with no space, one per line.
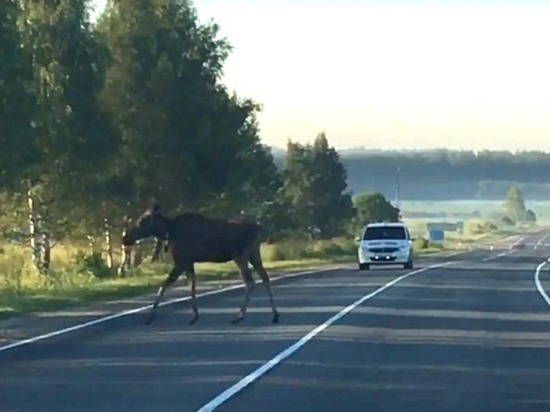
(92,264)
(421,243)
(304,249)
(272,252)
(484,227)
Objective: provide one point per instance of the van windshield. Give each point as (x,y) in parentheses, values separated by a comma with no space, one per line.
(382,233)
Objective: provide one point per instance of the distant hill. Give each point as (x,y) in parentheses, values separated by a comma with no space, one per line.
(442,174)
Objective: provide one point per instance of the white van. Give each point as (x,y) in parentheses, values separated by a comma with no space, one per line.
(385,243)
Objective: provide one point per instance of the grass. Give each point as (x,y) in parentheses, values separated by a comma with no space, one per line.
(39,297)
(75,280)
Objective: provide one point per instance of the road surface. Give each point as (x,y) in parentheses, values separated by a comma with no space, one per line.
(471,335)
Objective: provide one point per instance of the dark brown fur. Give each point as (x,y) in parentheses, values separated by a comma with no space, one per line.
(193,238)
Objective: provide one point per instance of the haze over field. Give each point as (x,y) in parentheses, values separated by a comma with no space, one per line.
(386,74)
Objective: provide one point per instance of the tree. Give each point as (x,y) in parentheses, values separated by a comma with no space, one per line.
(515,204)
(16,142)
(530,216)
(184,138)
(373,207)
(315,183)
(72,134)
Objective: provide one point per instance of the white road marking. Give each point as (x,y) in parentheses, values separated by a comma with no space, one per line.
(517,242)
(247,380)
(539,285)
(539,243)
(502,254)
(142,308)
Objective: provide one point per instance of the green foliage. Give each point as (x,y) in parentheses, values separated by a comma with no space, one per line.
(71,130)
(304,249)
(373,207)
(92,264)
(314,187)
(421,243)
(530,216)
(15,97)
(184,138)
(482,228)
(515,204)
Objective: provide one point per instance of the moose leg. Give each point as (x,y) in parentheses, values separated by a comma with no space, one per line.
(256,261)
(249,284)
(190,273)
(172,277)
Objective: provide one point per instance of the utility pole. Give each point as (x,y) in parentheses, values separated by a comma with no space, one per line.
(398,190)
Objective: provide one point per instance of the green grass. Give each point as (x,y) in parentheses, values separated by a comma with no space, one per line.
(43,297)
(25,291)
(73,281)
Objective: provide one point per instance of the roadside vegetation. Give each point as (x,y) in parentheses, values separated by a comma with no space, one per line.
(97,119)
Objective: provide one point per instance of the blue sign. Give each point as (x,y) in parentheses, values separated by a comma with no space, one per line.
(437,235)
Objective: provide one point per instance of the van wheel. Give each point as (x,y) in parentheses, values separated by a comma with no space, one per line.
(364,266)
(408,265)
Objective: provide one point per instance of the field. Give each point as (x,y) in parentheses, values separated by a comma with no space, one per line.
(481,219)
(484,209)
(77,279)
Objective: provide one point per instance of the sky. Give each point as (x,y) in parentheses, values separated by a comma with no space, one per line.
(391,74)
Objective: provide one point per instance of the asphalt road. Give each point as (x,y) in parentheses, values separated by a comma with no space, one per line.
(470,336)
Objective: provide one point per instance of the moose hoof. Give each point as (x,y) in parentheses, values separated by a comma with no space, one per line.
(193,320)
(276,318)
(237,320)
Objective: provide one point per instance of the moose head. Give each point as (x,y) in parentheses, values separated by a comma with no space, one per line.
(151,223)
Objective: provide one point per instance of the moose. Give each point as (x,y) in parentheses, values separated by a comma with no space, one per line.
(193,237)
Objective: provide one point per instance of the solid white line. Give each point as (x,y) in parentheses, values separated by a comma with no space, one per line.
(142,308)
(247,380)
(539,285)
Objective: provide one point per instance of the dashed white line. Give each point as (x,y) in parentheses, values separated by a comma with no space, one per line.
(247,380)
(511,249)
(539,243)
(517,242)
(502,254)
